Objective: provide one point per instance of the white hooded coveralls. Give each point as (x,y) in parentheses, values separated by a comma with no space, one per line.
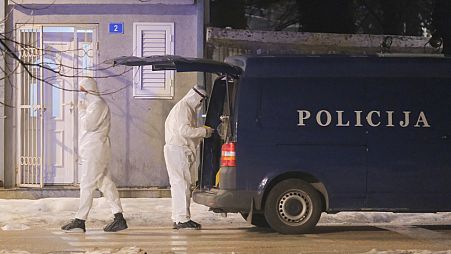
(95,152)
(182,138)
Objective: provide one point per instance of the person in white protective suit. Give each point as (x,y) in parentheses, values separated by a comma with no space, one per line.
(182,136)
(95,153)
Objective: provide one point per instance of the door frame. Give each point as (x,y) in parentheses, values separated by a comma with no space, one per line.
(40,109)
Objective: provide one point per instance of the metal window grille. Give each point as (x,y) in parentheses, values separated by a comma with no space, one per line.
(30,108)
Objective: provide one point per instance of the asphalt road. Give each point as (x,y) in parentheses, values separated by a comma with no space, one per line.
(381,238)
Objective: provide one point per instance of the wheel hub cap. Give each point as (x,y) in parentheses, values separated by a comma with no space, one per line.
(294,207)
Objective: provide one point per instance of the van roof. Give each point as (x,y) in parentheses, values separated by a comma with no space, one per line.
(342,66)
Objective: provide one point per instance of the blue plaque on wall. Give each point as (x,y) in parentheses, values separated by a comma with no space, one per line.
(116,28)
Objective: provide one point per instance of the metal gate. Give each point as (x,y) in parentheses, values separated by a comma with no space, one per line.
(30,108)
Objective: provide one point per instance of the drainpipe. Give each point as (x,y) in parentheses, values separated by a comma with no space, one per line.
(201,15)
(2,99)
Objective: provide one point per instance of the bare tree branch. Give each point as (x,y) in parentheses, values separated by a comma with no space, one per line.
(13,54)
(33,8)
(58,70)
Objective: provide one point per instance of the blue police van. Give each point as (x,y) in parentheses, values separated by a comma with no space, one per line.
(301,135)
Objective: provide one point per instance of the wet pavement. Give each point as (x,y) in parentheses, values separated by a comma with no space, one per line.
(245,239)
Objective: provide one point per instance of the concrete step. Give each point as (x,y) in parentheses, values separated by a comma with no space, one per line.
(74,191)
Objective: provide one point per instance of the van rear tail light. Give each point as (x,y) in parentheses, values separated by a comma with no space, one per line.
(228,155)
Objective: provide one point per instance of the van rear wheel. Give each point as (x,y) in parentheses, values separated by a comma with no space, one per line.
(293,206)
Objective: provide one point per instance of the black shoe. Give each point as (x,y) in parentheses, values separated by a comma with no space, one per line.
(188,225)
(75,226)
(174,225)
(118,224)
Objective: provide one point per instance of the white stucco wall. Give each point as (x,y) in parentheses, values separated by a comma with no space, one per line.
(137,133)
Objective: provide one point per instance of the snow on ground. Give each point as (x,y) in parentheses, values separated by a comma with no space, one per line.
(20,214)
(54,212)
(387,218)
(156,212)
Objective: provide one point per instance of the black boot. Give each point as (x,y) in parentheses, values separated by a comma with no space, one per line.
(188,225)
(75,225)
(118,224)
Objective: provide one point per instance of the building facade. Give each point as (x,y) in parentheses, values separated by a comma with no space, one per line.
(58,43)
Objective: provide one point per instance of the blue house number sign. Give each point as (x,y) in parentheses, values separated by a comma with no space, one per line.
(116,28)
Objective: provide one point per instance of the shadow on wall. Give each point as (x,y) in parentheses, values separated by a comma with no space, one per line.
(141,121)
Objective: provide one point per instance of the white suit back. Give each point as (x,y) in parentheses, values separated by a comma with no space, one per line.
(181,124)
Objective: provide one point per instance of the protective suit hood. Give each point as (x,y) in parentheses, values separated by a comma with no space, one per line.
(90,85)
(194,98)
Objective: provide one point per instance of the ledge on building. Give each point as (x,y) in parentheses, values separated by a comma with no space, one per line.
(57,2)
(74,191)
(223,42)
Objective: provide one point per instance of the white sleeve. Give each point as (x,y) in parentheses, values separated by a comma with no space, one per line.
(92,118)
(186,129)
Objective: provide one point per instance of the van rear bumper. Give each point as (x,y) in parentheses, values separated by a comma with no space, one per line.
(231,201)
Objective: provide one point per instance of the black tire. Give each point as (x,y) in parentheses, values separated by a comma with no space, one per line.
(293,206)
(258,219)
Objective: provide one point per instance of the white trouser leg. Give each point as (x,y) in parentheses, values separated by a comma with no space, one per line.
(91,179)
(109,190)
(88,184)
(178,165)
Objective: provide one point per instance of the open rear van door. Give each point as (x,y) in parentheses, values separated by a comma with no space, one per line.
(179,64)
(211,150)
